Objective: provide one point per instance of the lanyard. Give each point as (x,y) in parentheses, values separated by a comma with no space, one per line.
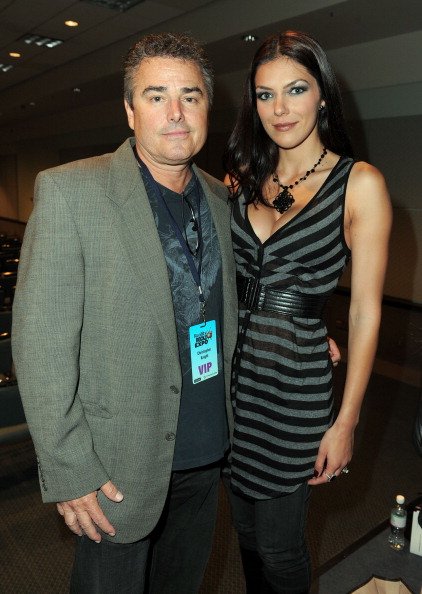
(195,271)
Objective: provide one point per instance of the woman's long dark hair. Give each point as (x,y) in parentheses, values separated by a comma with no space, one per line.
(251,156)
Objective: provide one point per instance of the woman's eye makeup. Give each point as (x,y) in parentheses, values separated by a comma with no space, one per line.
(263,95)
(298,89)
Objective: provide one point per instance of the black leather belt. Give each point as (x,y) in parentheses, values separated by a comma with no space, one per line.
(258,297)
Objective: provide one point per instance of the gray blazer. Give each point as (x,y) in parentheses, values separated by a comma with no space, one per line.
(94,337)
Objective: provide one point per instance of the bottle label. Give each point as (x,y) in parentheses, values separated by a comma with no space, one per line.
(398,521)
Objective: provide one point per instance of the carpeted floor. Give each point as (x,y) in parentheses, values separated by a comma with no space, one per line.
(36,550)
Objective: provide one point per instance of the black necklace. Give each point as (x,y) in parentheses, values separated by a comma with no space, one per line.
(284,200)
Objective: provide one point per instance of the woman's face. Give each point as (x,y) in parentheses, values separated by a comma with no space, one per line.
(288,99)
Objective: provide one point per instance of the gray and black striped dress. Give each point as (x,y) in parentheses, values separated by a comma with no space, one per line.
(282,374)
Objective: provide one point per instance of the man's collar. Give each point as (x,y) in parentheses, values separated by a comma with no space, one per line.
(190,186)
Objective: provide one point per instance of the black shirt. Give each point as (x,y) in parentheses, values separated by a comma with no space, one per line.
(202,432)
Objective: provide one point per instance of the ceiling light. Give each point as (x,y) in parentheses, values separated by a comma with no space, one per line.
(6,67)
(250,37)
(71,23)
(29,38)
(15,54)
(52,43)
(120,5)
(40,40)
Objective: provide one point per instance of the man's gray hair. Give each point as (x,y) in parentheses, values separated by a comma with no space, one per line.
(166,45)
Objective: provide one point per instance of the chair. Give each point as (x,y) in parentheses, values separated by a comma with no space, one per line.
(5,321)
(13,426)
(10,244)
(9,264)
(11,409)
(8,284)
(5,353)
(14,433)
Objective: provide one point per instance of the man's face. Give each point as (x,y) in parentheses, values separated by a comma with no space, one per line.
(169,114)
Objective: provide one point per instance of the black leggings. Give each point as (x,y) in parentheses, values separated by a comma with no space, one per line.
(274,529)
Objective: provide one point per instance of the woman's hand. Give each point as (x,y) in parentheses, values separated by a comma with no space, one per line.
(335,452)
(333,351)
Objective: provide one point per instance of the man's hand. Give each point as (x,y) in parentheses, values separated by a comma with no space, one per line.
(333,351)
(83,515)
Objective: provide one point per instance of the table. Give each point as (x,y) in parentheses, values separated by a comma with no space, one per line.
(373,557)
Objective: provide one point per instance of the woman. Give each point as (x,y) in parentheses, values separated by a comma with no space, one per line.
(302,208)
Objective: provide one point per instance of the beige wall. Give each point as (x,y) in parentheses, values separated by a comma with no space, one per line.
(30,161)
(395,146)
(17,175)
(23,160)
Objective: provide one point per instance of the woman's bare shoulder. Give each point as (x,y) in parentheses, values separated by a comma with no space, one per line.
(367,189)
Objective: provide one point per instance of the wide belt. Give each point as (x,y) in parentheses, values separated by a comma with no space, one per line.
(258,297)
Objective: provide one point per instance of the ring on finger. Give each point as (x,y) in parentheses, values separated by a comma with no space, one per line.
(330,477)
(345,470)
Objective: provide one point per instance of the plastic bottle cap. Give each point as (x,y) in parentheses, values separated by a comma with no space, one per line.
(400,499)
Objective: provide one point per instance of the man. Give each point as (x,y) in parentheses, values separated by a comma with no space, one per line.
(123,330)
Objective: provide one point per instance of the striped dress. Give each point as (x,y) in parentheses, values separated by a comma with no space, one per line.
(282,373)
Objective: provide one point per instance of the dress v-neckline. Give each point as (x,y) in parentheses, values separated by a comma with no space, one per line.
(303,209)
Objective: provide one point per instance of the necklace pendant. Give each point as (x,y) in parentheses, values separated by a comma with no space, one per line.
(283,201)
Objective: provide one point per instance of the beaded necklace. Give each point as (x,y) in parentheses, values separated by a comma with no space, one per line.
(284,200)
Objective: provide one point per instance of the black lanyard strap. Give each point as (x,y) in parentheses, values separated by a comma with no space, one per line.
(195,270)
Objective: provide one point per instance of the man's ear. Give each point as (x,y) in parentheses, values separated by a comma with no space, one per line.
(130,115)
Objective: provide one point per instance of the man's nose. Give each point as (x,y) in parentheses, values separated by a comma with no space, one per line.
(175,113)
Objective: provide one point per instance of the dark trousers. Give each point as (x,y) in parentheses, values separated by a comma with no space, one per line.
(272,541)
(171,560)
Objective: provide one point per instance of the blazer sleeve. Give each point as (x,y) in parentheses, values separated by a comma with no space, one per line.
(47,320)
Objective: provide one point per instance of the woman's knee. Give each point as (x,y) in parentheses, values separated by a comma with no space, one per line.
(287,572)
(287,561)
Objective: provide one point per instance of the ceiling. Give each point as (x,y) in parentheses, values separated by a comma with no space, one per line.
(86,68)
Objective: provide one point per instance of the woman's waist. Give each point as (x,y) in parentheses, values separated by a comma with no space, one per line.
(257,296)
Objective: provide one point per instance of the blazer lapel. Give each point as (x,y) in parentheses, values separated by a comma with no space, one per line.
(139,236)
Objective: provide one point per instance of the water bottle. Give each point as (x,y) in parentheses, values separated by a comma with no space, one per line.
(398,524)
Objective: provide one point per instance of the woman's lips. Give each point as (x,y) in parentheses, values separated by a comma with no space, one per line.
(284,127)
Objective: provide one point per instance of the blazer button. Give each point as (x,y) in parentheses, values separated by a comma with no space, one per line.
(170,436)
(174,389)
